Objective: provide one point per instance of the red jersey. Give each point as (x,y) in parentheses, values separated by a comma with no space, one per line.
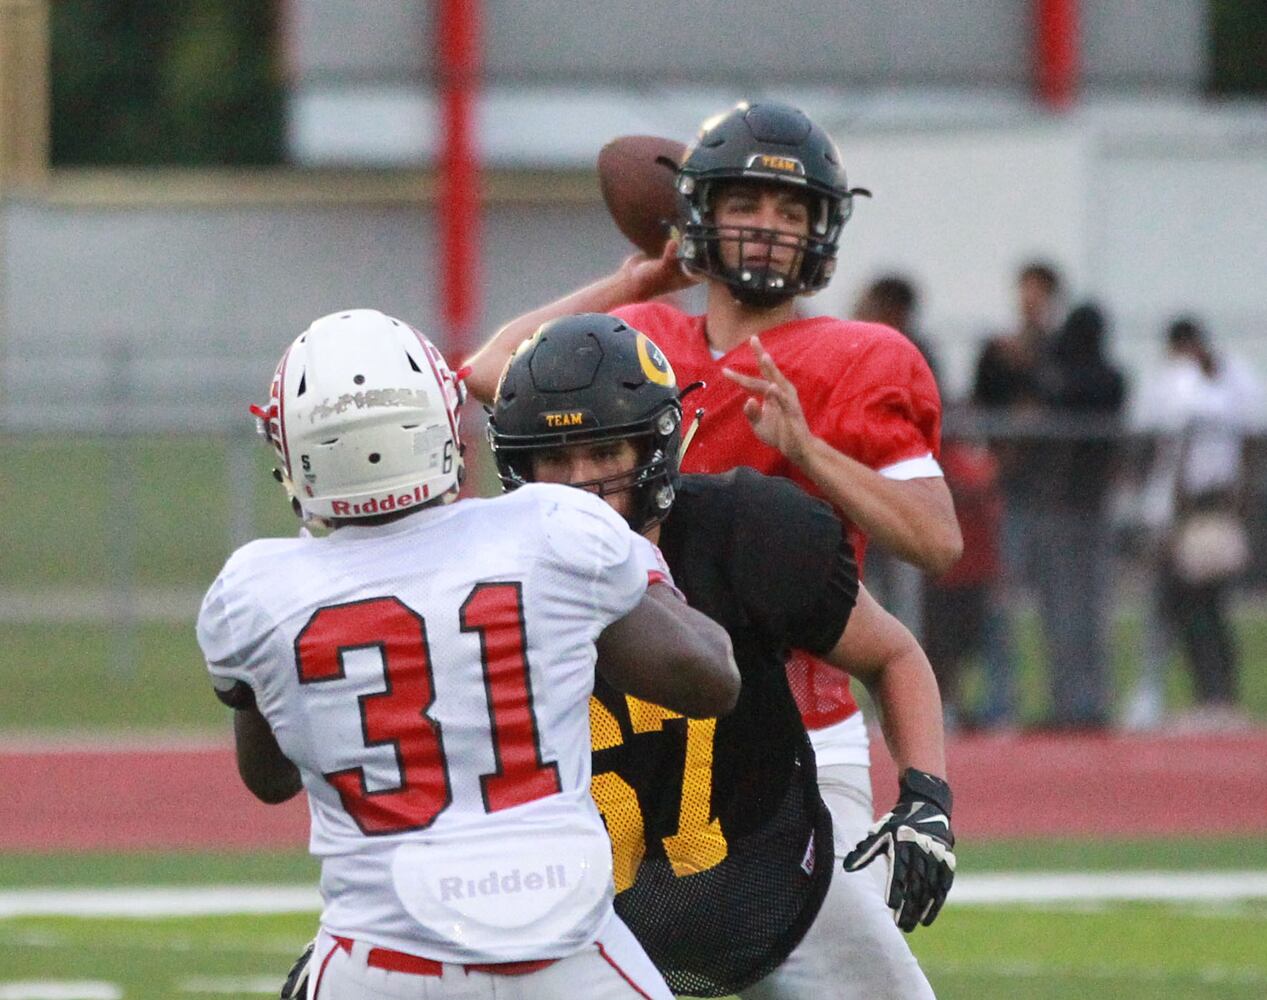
(865,389)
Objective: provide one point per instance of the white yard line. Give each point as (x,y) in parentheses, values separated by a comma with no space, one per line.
(1037,888)
(1079,887)
(59,989)
(153,901)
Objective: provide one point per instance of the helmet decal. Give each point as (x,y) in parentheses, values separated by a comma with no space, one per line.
(778,164)
(367,401)
(654,364)
(564,418)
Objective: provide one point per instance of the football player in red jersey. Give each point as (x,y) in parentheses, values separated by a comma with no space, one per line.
(848,410)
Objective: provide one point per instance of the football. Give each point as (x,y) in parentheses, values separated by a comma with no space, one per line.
(636,174)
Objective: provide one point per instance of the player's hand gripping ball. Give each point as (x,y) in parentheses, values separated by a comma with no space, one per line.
(916,841)
(637,175)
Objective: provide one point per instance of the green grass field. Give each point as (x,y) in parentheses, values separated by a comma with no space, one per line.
(174,532)
(171,495)
(161,502)
(1150,952)
(173,520)
(69,676)
(996,952)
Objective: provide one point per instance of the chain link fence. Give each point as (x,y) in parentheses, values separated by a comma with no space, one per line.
(131,473)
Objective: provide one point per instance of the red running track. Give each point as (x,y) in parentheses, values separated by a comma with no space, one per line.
(1101,786)
(125,799)
(128,798)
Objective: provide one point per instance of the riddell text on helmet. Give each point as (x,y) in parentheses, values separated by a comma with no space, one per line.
(379,505)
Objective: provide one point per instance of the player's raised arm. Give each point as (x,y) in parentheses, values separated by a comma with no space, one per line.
(665,652)
(640,277)
(881,652)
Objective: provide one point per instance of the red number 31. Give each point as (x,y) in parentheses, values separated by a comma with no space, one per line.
(397,716)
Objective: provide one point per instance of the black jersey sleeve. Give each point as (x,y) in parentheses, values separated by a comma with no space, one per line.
(795,568)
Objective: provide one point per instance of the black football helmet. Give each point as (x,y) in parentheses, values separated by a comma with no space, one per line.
(588,378)
(768,143)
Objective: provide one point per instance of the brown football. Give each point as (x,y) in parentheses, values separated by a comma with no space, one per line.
(636,174)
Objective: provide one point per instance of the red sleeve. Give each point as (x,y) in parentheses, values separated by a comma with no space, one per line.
(655,319)
(887,409)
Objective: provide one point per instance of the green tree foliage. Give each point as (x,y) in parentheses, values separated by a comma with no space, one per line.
(165,82)
(1238,30)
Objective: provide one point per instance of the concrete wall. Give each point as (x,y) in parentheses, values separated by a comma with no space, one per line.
(197,302)
(558,72)
(869,43)
(1151,214)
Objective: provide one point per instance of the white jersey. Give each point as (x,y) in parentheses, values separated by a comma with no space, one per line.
(430,678)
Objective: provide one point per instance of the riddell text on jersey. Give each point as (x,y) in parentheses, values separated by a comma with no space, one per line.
(380,505)
(495,883)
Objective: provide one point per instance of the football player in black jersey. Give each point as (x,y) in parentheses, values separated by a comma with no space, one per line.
(722,847)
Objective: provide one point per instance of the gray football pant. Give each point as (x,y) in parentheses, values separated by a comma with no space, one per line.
(854,950)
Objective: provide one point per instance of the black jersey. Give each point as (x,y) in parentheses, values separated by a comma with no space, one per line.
(722,847)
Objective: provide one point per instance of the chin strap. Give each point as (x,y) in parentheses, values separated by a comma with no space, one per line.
(689,436)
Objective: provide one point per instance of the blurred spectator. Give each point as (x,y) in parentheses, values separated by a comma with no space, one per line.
(1011,371)
(960,613)
(963,611)
(892,300)
(1199,409)
(1052,385)
(1086,394)
(1009,368)
(1007,386)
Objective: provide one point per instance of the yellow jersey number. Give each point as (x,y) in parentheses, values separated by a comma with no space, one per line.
(699,843)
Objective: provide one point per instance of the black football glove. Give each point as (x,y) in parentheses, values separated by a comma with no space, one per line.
(916,840)
(296,985)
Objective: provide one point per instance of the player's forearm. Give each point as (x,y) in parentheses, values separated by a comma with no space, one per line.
(267,772)
(665,652)
(880,651)
(909,704)
(607,293)
(912,518)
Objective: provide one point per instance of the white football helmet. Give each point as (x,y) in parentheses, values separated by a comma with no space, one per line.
(363,415)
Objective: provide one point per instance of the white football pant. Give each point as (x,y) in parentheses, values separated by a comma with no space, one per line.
(613,968)
(854,950)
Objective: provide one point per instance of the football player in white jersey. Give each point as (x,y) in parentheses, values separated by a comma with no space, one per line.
(423,672)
